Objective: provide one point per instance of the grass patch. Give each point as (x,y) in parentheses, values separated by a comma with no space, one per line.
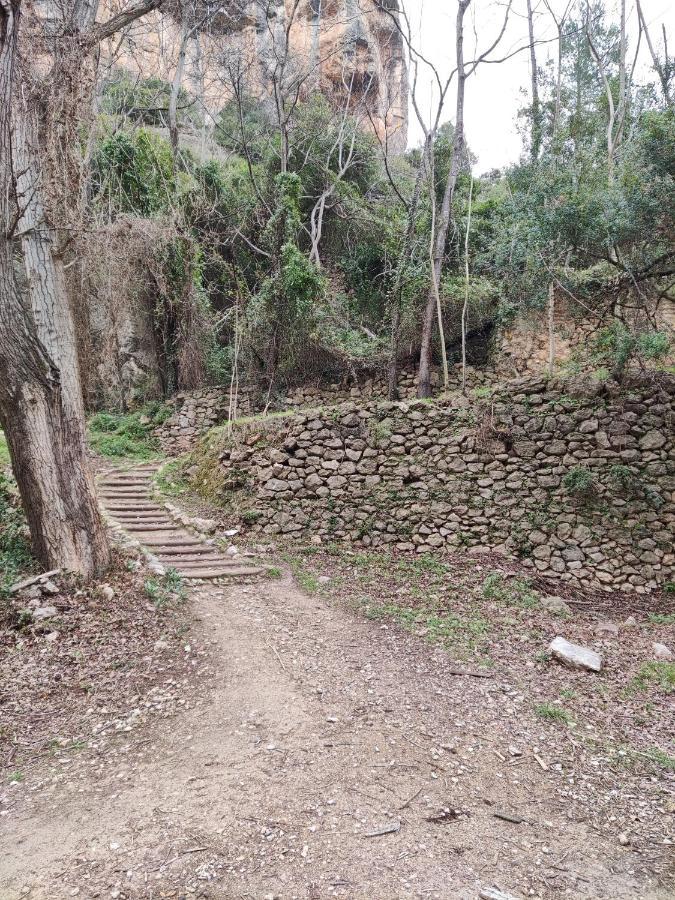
(166,589)
(548,712)
(307,581)
(437,626)
(661,758)
(128,435)
(654,674)
(170,480)
(512,591)
(661,618)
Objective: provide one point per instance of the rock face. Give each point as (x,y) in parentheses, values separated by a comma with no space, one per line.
(343,48)
(506,476)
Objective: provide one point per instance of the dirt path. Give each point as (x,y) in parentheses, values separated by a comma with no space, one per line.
(317,731)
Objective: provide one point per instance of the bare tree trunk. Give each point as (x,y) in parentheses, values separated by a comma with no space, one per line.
(177,82)
(551,328)
(458,153)
(536,107)
(40,399)
(465,305)
(434,280)
(662,69)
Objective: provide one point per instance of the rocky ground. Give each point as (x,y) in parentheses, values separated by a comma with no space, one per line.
(370,726)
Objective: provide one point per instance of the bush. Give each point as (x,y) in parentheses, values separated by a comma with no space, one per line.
(579,481)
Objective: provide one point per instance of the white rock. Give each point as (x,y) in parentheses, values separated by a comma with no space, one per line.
(661,651)
(231,551)
(107,592)
(610,629)
(575,655)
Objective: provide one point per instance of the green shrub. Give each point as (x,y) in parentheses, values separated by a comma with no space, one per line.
(579,481)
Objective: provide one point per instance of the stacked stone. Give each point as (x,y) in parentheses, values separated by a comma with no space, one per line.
(196,412)
(502,475)
(375,387)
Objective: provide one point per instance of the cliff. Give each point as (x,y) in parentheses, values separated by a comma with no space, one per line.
(350,50)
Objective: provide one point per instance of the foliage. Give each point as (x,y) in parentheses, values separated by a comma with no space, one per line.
(145,100)
(128,435)
(512,591)
(133,172)
(618,345)
(551,713)
(15,554)
(165,590)
(579,481)
(660,674)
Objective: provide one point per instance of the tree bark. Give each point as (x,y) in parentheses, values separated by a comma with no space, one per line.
(40,399)
(443,225)
(177,82)
(534,80)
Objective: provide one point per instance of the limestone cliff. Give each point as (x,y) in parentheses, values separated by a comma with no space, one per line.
(350,50)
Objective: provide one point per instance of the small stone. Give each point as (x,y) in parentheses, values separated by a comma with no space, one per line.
(652,440)
(555,605)
(48,587)
(107,592)
(662,652)
(44,612)
(315,539)
(609,629)
(232,551)
(575,655)
(161,645)
(52,636)
(624,839)
(323,579)
(630,622)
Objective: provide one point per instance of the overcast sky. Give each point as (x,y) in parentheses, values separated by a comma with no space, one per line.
(494,92)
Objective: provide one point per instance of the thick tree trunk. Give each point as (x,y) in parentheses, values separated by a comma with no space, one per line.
(40,399)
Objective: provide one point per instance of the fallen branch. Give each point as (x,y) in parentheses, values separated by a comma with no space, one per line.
(20,585)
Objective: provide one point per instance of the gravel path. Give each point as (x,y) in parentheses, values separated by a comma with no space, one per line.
(328,756)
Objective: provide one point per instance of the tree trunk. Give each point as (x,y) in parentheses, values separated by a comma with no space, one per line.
(536,107)
(40,399)
(177,82)
(424,374)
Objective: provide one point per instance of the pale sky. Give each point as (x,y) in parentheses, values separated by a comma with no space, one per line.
(493,93)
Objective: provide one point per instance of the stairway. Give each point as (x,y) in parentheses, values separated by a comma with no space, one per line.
(127,498)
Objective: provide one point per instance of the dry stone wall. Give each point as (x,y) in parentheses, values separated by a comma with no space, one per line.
(576,479)
(194,413)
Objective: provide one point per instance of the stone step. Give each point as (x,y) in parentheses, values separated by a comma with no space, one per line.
(183,549)
(143,528)
(222,573)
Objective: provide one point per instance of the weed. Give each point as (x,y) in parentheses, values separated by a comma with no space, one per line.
(165,589)
(662,618)
(567,694)
(250,516)
(550,713)
(579,481)
(660,674)
(273,572)
(669,587)
(16,777)
(542,657)
(170,479)
(513,592)
(127,436)
(661,758)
